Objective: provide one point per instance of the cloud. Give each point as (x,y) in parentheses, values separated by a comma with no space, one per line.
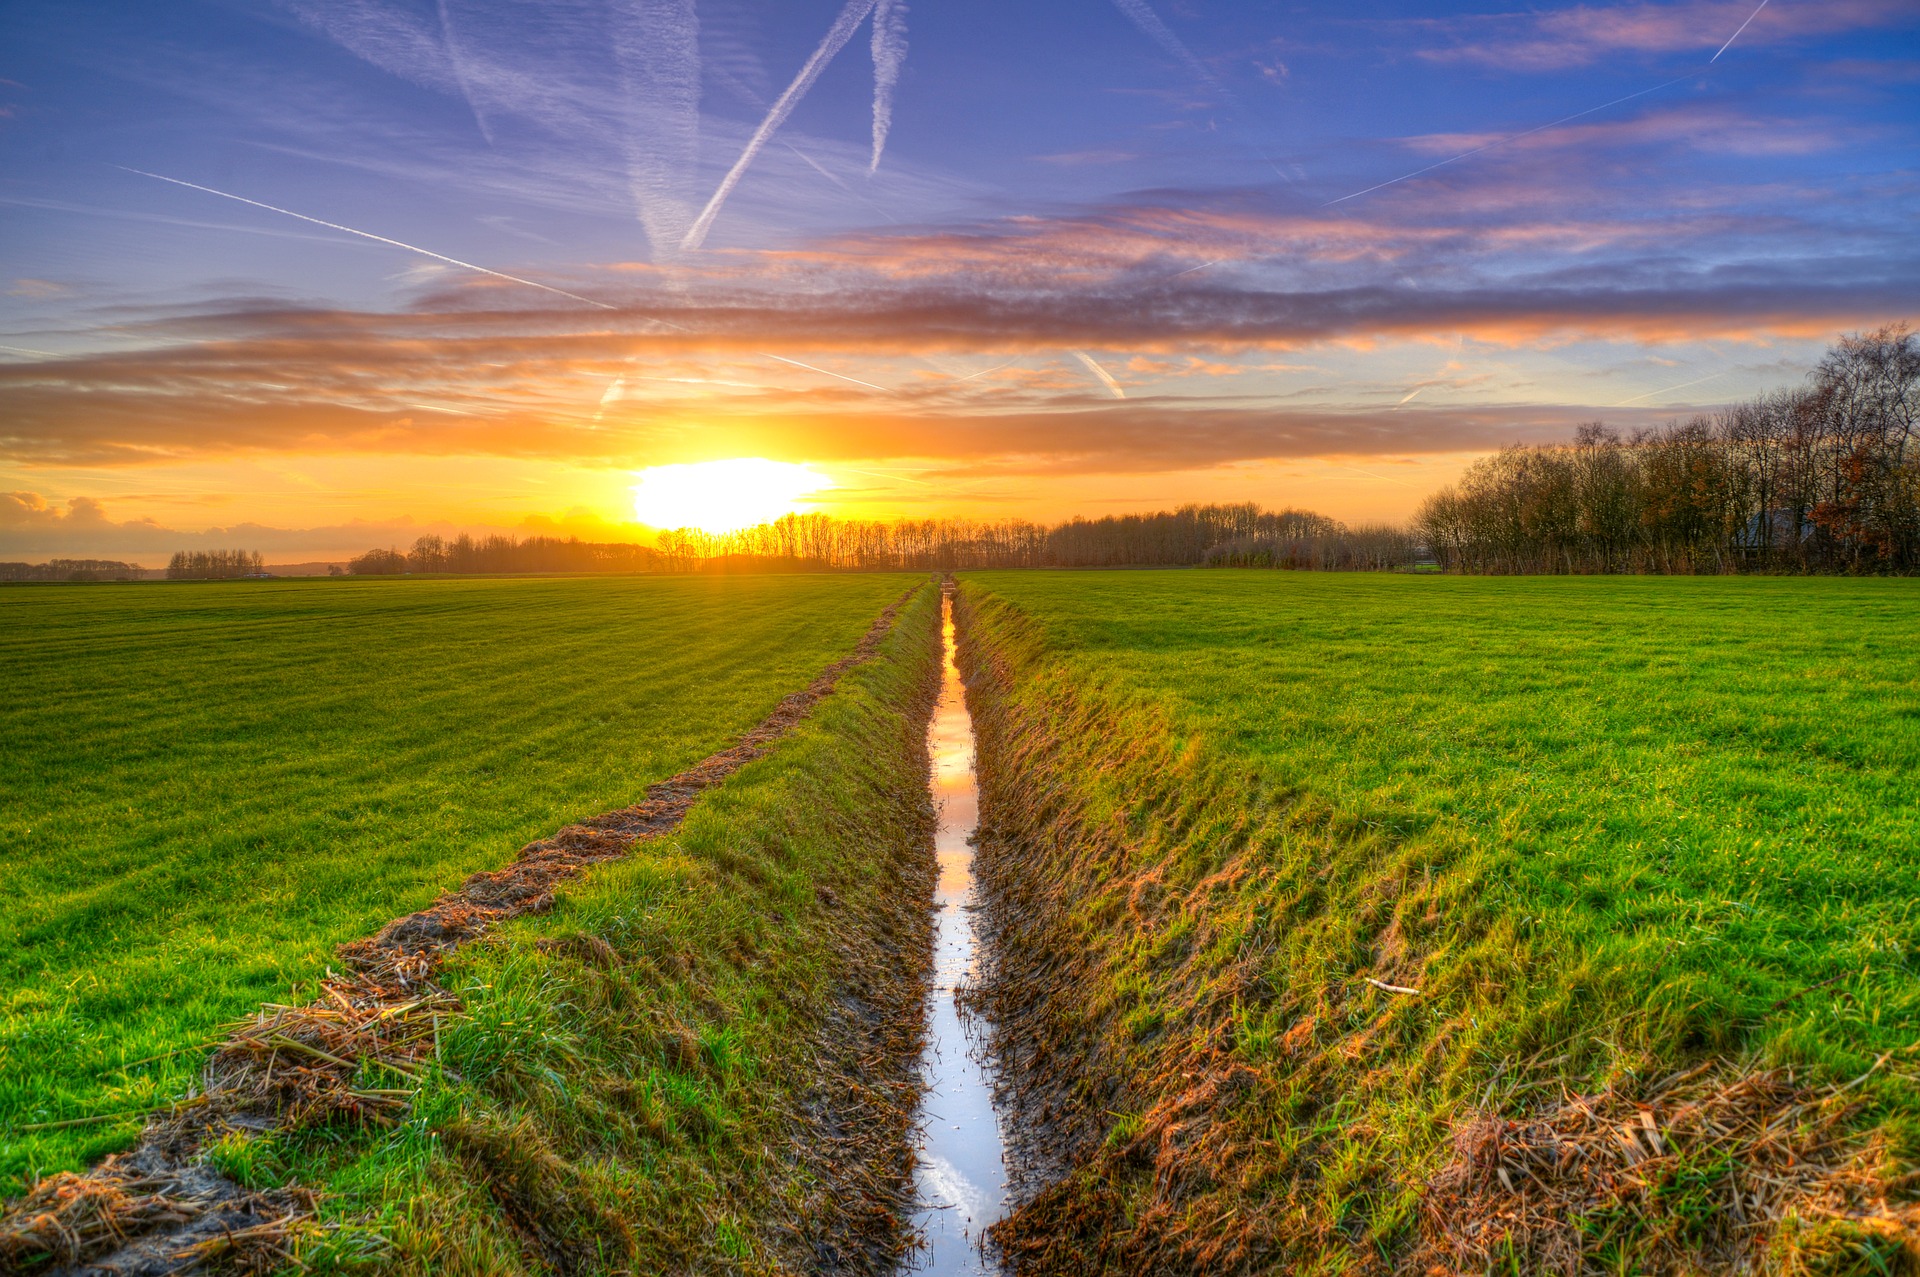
(33,530)
(1584,34)
(1713,128)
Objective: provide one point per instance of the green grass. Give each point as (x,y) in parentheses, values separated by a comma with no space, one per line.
(208,787)
(638,1076)
(1606,825)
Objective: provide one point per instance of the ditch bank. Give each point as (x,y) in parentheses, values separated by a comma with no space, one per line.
(698,1058)
(1224,1016)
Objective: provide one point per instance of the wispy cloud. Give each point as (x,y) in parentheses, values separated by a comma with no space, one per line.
(1579,35)
(619,79)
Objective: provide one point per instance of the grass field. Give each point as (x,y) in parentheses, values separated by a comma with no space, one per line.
(700,1061)
(209,786)
(1607,826)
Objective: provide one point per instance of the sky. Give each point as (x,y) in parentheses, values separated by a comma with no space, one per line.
(310,276)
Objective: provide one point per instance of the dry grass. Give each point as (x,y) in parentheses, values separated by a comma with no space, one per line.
(1715,1170)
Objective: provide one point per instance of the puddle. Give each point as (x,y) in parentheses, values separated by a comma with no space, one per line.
(961,1176)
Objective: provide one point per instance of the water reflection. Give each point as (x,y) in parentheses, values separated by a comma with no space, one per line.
(961,1176)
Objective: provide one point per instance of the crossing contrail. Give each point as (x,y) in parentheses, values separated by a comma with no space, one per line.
(455,261)
(889,55)
(378,239)
(1101,373)
(1736,35)
(836,39)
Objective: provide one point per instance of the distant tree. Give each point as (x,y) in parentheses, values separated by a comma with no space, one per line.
(1825,477)
(73,570)
(378,563)
(214,565)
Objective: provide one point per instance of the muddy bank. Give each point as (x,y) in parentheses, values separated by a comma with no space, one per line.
(518,1192)
(1181,1100)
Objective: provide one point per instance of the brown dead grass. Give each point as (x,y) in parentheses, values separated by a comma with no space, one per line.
(151,1217)
(1715,1170)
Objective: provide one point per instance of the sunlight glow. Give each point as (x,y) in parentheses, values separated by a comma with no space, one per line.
(723,496)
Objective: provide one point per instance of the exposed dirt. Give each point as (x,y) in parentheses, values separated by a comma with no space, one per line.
(162,1209)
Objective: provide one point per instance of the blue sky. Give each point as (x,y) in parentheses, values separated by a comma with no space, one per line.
(1114,252)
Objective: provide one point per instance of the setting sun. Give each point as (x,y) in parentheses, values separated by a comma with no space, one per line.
(723,496)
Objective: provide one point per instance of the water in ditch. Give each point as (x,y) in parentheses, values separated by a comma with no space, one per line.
(961,1175)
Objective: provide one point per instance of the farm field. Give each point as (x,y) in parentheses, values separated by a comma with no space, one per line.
(1608,828)
(208,787)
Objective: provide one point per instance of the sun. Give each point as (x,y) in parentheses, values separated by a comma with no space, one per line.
(723,496)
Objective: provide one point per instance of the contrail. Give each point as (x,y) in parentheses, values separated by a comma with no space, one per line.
(1409,396)
(1498,142)
(451,412)
(1371,475)
(454,261)
(656,44)
(1149,23)
(836,39)
(1202,266)
(996,368)
(889,477)
(827,173)
(615,390)
(1101,373)
(378,239)
(460,72)
(767,354)
(1664,389)
(1736,35)
(1143,16)
(889,55)
(22,350)
(709,381)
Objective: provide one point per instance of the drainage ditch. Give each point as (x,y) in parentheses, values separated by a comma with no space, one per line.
(960,1171)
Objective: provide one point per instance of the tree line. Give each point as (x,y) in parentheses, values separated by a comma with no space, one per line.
(1823,477)
(73,570)
(1189,536)
(498,554)
(214,565)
